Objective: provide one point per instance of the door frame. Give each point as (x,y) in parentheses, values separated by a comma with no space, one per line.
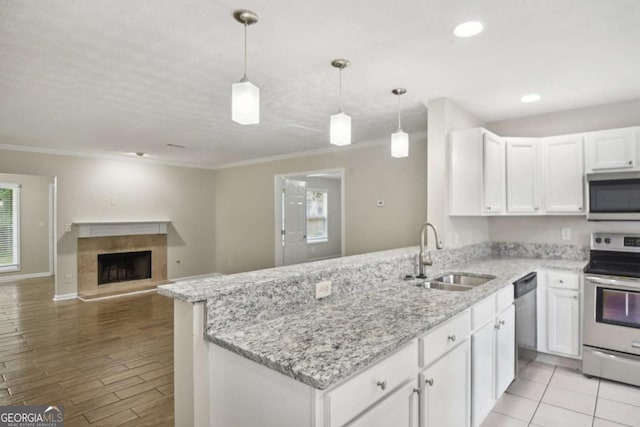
(277,202)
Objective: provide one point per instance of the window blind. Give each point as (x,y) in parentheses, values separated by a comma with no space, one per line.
(9,227)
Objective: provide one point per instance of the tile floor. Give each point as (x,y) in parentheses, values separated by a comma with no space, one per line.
(550,396)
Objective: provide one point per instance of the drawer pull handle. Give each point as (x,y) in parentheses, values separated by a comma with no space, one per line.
(429,381)
(382,385)
(561,281)
(452,338)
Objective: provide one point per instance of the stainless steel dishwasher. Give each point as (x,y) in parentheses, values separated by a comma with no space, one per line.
(525,295)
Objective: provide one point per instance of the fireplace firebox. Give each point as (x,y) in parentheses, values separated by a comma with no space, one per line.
(124,267)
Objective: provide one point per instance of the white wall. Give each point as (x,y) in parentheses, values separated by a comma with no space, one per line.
(142,191)
(245,211)
(548,229)
(34,223)
(445,116)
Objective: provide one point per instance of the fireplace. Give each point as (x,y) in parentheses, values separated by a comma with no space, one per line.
(124,267)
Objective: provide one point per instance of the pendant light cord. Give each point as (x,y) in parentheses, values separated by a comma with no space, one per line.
(245,52)
(341,90)
(399,124)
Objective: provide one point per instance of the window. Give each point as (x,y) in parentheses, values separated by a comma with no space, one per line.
(317,216)
(9,227)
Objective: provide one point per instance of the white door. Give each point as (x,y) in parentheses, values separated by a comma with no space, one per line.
(563,168)
(399,409)
(611,149)
(294,221)
(482,373)
(505,349)
(494,174)
(563,321)
(523,177)
(446,391)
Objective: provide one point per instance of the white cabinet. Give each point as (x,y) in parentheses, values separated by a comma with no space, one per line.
(563,174)
(505,349)
(612,150)
(559,313)
(445,396)
(494,174)
(476,169)
(523,176)
(400,409)
(493,353)
(563,321)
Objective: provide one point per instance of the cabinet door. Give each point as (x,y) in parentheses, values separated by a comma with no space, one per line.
(446,390)
(505,350)
(399,409)
(612,149)
(482,372)
(563,321)
(523,176)
(563,170)
(494,174)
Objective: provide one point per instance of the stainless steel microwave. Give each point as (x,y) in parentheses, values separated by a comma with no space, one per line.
(613,196)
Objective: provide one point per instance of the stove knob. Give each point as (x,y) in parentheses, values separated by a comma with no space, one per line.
(607,240)
(598,240)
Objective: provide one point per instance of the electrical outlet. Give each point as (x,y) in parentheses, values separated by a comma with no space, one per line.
(68,278)
(67,227)
(566,233)
(114,200)
(380,203)
(323,289)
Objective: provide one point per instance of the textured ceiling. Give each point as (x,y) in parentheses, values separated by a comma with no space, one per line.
(120,76)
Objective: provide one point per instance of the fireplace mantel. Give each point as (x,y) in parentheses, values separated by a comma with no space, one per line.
(120,228)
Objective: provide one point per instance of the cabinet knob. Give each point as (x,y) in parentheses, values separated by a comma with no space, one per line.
(579,208)
(501,322)
(497,327)
(488,208)
(631,162)
(574,297)
(382,384)
(429,381)
(561,281)
(452,338)
(535,208)
(416,390)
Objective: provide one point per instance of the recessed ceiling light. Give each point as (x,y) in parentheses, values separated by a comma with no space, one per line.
(532,97)
(468,29)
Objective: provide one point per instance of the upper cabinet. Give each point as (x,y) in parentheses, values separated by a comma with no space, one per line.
(612,150)
(563,174)
(476,160)
(494,174)
(523,176)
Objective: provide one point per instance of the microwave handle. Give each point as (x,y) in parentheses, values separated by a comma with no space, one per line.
(602,281)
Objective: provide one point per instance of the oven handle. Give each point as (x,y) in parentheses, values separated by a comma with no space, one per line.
(602,281)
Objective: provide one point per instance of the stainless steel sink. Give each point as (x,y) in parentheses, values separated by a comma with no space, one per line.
(465,279)
(457,282)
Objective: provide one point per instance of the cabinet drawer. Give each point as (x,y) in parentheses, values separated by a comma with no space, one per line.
(563,280)
(445,337)
(357,394)
(483,312)
(504,298)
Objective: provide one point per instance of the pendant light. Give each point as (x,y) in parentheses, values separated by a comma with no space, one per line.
(399,139)
(340,125)
(245,96)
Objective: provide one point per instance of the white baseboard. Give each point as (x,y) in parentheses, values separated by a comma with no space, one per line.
(64,297)
(15,277)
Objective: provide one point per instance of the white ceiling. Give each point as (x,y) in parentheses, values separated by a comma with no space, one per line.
(120,76)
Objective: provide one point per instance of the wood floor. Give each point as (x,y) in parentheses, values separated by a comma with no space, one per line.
(107,362)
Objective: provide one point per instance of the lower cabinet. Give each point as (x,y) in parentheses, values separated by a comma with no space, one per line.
(445,396)
(399,409)
(563,321)
(492,361)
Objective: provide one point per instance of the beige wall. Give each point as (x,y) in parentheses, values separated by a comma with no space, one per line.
(142,191)
(549,229)
(34,222)
(446,116)
(245,203)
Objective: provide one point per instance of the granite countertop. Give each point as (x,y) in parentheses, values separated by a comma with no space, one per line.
(326,343)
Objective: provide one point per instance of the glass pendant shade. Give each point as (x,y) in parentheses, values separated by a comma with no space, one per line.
(399,144)
(245,103)
(340,129)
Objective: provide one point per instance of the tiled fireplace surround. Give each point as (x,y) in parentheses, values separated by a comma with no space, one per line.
(90,247)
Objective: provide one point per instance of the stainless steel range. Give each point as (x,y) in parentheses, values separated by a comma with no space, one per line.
(612,308)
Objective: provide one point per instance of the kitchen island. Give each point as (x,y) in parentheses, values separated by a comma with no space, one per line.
(269,326)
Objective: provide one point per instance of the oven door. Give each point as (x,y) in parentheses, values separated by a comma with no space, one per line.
(612,313)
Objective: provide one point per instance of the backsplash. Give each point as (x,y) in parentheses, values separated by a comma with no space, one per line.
(540,250)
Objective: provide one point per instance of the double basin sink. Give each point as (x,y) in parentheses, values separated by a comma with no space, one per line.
(457,281)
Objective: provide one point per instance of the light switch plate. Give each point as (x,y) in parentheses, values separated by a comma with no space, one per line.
(323,289)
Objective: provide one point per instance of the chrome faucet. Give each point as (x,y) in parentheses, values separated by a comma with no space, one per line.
(425,257)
